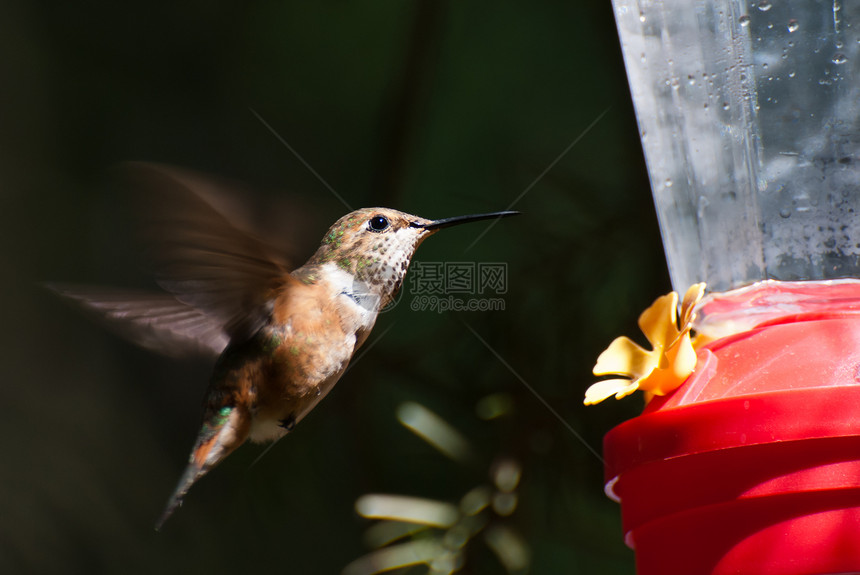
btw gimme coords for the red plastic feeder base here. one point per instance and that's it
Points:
(753, 465)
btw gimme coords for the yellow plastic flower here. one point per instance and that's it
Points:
(656, 372)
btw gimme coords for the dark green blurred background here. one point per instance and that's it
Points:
(432, 107)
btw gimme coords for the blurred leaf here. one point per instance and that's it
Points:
(509, 547)
(408, 509)
(434, 430)
(504, 503)
(475, 500)
(494, 405)
(506, 474)
(397, 556)
(386, 532)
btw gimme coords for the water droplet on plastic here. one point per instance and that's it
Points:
(668, 182)
(726, 106)
(791, 74)
(642, 16)
(764, 66)
(839, 58)
(744, 20)
(793, 25)
(830, 243)
(785, 213)
(764, 5)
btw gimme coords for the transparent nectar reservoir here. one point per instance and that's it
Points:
(749, 115)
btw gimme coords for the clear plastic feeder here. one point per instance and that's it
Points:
(749, 115)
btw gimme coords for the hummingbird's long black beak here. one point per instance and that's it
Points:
(457, 220)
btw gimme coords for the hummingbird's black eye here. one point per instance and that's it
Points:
(378, 224)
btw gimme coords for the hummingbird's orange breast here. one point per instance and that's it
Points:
(305, 350)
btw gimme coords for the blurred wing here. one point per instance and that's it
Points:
(155, 321)
(200, 256)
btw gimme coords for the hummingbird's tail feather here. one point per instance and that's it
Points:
(220, 435)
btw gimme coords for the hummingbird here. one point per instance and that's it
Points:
(283, 337)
